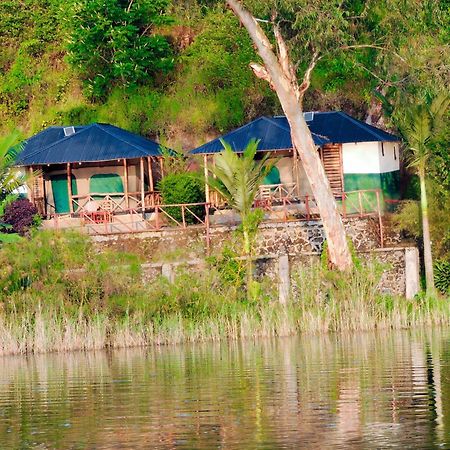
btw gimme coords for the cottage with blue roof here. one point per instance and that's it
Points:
(92, 171)
(356, 156)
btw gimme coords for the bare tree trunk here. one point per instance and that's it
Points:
(281, 75)
(427, 256)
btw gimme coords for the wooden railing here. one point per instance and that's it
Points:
(119, 219)
(114, 202)
(277, 192)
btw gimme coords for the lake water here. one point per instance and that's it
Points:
(368, 391)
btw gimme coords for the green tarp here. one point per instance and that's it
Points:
(105, 183)
(61, 193)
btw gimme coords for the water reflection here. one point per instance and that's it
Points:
(387, 390)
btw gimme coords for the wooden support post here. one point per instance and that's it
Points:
(69, 187)
(205, 168)
(125, 183)
(161, 165)
(150, 173)
(141, 163)
(30, 187)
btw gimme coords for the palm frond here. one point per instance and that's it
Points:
(237, 178)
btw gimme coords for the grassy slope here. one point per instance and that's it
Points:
(210, 91)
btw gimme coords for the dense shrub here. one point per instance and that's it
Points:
(442, 276)
(183, 188)
(21, 214)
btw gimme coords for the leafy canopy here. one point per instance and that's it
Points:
(421, 124)
(114, 42)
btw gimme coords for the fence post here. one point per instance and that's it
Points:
(344, 207)
(412, 277)
(208, 238)
(168, 272)
(380, 219)
(360, 204)
(308, 211)
(182, 216)
(284, 279)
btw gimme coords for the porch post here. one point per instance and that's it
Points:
(30, 186)
(205, 168)
(161, 164)
(141, 163)
(69, 187)
(125, 183)
(150, 173)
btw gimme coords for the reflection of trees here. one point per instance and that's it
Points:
(363, 389)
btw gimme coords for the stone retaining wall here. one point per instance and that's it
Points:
(274, 238)
(301, 241)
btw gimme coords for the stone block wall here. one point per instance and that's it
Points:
(274, 238)
(400, 276)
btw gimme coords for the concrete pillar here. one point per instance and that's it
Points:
(284, 279)
(168, 272)
(412, 276)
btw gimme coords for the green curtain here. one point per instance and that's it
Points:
(61, 193)
(273, 177)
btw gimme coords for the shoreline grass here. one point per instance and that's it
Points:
(57, 294)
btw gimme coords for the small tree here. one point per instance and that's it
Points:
(114, 42)
(237, 178)
(421, 123)
(281, 73)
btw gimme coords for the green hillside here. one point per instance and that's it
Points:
(179, 70)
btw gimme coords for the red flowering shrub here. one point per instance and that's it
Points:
(21, 214)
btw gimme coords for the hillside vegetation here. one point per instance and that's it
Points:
(179, 70)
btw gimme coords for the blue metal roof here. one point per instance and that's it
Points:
(334, 127)
(94, 142)
(274, 134)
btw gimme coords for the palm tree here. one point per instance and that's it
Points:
(420, 125)
(237, 179)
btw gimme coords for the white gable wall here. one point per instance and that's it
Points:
(361, 157)
(391, 159)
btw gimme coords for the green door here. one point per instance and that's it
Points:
(61, 193)
(105, 183)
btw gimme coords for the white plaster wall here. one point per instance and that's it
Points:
(391, 159)
(362, 157)
(284, 165)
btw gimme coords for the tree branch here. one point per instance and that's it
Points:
(307, 76)
(261, 72)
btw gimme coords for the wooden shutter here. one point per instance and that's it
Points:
(331, 156)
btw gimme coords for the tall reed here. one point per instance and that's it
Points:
(59, 294)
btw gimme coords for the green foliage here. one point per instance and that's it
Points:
(114, 42)
(238, 177)
(10, 177)
(442, 276)
(408, 219)
(422, 122)
(180, 188)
